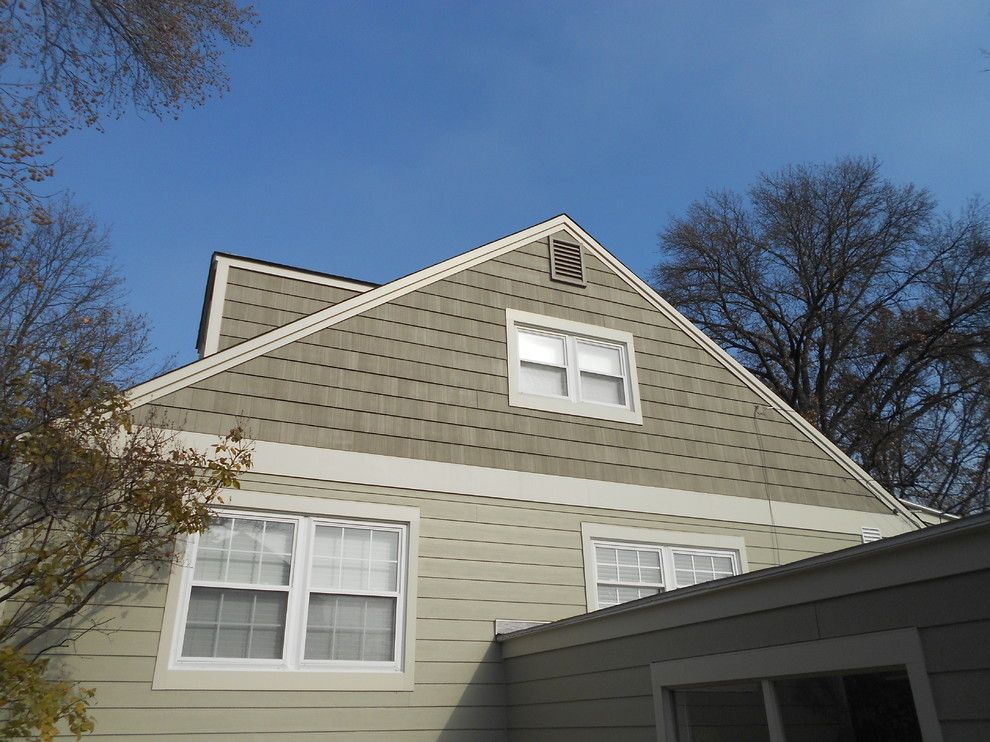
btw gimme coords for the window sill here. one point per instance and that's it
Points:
(568, 407)
(241, 678)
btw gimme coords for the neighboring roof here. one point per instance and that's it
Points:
(303, 274)
(861, 552)
(928, 510)
(373, 297)
(216, 287)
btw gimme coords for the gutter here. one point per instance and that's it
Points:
(939, 532)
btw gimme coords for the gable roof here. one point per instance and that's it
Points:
(373, 297)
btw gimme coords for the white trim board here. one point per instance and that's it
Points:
(741, 373)
(214, 314)
(305, 326)
(223, 360)
(283, 459)
(297, 275)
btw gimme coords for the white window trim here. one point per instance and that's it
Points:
(596, 533)
(174, 672)
(861, 652)
(632, 413)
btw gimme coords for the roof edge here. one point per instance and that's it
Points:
(747, 378)
(928, 509)
(219, 361)
(216, 290)
(306, 273)
(821, 561)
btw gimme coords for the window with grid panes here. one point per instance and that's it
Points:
(292, 591)
(692, 567)
(629, 571)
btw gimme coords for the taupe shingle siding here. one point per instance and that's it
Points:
(268, 302)
(425, 376)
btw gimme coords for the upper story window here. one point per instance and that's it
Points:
(285, 593)
(572, 368)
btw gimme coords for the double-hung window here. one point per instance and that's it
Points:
(627, 572)
(570, 367)
(353, 593)
(295, 591)
(314, 595)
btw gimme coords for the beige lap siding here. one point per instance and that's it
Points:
(480, 559)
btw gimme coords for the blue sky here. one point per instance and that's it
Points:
(370, 139)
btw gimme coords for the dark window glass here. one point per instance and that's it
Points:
(864, 707)
(721, 713)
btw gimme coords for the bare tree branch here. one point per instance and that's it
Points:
(861, 307)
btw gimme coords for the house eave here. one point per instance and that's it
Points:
(729, 586)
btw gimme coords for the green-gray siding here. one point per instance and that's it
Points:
(591, 680)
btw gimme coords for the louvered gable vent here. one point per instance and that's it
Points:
(566, 262)
(871, 534)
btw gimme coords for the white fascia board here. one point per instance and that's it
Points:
(214, 314)
(349, 467)
(243, 352)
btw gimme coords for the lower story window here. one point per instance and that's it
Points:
(629, 571)
(294, 592)
(858, 707)
(870, 687)
(624, 563)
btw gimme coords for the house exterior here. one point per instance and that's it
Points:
(520, 434)
(886, 642)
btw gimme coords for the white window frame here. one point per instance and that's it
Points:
(293, 671)
(572, 333)
(665, 542)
